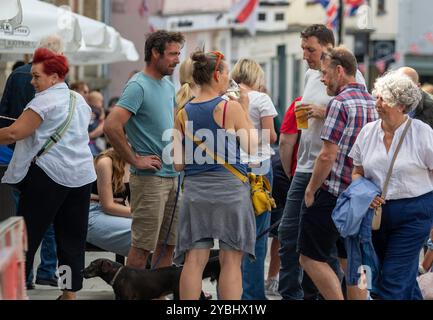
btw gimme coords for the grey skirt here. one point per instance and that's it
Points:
(216, 205)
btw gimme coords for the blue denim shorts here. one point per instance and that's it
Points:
(209, 243)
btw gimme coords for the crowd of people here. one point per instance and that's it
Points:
(167, 173)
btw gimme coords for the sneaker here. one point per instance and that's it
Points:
(30, 286)
(47, 282)
(271, 287)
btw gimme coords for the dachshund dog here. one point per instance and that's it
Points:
(140, 284)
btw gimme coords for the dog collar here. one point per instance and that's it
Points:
(115, 276)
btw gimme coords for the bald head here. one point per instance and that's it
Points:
(53, 43)
(411, 73)
(95, 99)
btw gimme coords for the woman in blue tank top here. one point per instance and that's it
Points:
(216, 204)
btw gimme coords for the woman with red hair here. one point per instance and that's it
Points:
(52, 167)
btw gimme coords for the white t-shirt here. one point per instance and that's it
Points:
(261, 106)
(70, 161)
(412, 174)
(311, 144)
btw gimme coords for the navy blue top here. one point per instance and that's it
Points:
(17, 94)
(204, 127)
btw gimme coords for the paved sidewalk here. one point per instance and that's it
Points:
(94, 289)
(97, 289)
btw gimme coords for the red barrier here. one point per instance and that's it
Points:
(13, 245)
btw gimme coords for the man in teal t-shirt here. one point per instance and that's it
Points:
(152, 103)
(135, 128)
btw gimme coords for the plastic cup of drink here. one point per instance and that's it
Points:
(301, 116)
(234, 90)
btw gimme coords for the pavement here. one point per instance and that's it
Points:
(97, 289)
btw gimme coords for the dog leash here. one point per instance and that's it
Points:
(276, 224)
(115, 276)
(164, 248)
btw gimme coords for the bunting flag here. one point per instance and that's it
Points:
(143, 10)
(414, 48)
(381, 65)
(244, 12)
(331, 7)
(352, 7)
(332, 14)
(429, 37)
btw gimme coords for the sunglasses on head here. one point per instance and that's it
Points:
(220, 57)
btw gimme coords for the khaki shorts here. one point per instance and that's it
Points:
(152, 202)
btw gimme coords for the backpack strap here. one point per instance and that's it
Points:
(60, 132)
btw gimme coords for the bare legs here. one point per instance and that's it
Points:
(230, 280)
(137, 258)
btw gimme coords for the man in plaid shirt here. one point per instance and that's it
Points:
(351, 109)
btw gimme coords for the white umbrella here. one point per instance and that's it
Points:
(119, 49)
(24, 22)
(95, 33)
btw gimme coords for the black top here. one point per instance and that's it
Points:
(125, 195)
(424, 111)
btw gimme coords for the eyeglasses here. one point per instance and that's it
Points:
(220, 57)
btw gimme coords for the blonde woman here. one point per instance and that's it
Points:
(109, 214)
(189, 89)
(262, 113)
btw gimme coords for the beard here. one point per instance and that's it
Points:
(332, 89)
(166, 70)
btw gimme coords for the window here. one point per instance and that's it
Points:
(381, 7)
(262, 16)
(279, 17)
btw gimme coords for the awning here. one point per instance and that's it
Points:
(24, 22)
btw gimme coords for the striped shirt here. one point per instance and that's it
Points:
(346, 115)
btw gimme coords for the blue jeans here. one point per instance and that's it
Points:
(291, 274)
(107, 232)
(405, 225)
(253, 272)
(48, 267)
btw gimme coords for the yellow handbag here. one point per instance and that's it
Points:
(261, 195)
(261, 190)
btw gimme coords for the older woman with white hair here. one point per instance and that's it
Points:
(407, 206)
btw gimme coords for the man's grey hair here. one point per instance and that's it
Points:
(397, 89)
(53, 43)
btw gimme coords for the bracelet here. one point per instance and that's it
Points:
(430, 244)
(421, 270)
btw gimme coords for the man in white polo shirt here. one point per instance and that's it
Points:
(315, 40)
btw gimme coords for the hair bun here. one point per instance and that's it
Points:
(200, 59)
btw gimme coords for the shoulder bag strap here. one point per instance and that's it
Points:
(201, 145)
(388, 177)
(60, 132)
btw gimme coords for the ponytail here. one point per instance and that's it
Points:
(183, 96)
